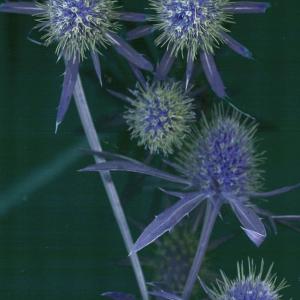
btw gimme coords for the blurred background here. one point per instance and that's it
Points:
(58, 237)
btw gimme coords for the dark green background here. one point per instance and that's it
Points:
(58, 238)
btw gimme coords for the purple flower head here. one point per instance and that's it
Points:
(173, 257)
(190, 24)
(252, 286)
(222, 159)
(197, 28)
(79, 27)
(160, 115)
(174, 253)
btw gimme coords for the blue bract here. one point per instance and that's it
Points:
(79, 27)
(196, 28)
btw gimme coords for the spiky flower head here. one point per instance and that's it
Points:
(77, 26)
(251, 286)
(173, 257)
(160, 115)
(222, 159)
(190, 24)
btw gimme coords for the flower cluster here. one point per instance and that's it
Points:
(221, 167)
(215, 163)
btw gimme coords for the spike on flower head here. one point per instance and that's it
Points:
(191, 24)
(222, 158)
(78, 26)
(251, 286)
(160, 115)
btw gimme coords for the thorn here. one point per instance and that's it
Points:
(56, 126)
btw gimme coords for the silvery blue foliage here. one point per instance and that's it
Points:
(79, 27)
(196, 28)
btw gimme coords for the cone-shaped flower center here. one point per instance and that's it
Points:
(160, 116)
(223, 159)
(77, 25)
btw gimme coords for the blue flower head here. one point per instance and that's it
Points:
(173, 257)
(193, 25)
(253, 285)
(160, 115)
(221, 158)
(174, 253)
(78, 26)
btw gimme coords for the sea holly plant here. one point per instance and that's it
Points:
(159, 114)
(220, 166)
(196, 28)
(79, 28)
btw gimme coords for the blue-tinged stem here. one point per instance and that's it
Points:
(212, 211)
(93, 140)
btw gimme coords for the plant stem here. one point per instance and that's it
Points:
(93, 140)
(212, 210)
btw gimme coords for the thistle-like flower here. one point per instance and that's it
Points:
(174, 253)
(160, 115)
(222, 159)
(220, 166)
(79, 27)
(197, 27)
(173, 257)
(253, 285)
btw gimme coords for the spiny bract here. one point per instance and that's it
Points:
(160, 115)
(222, 159)
(77, 26)
(190, 24)
(251, 286)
